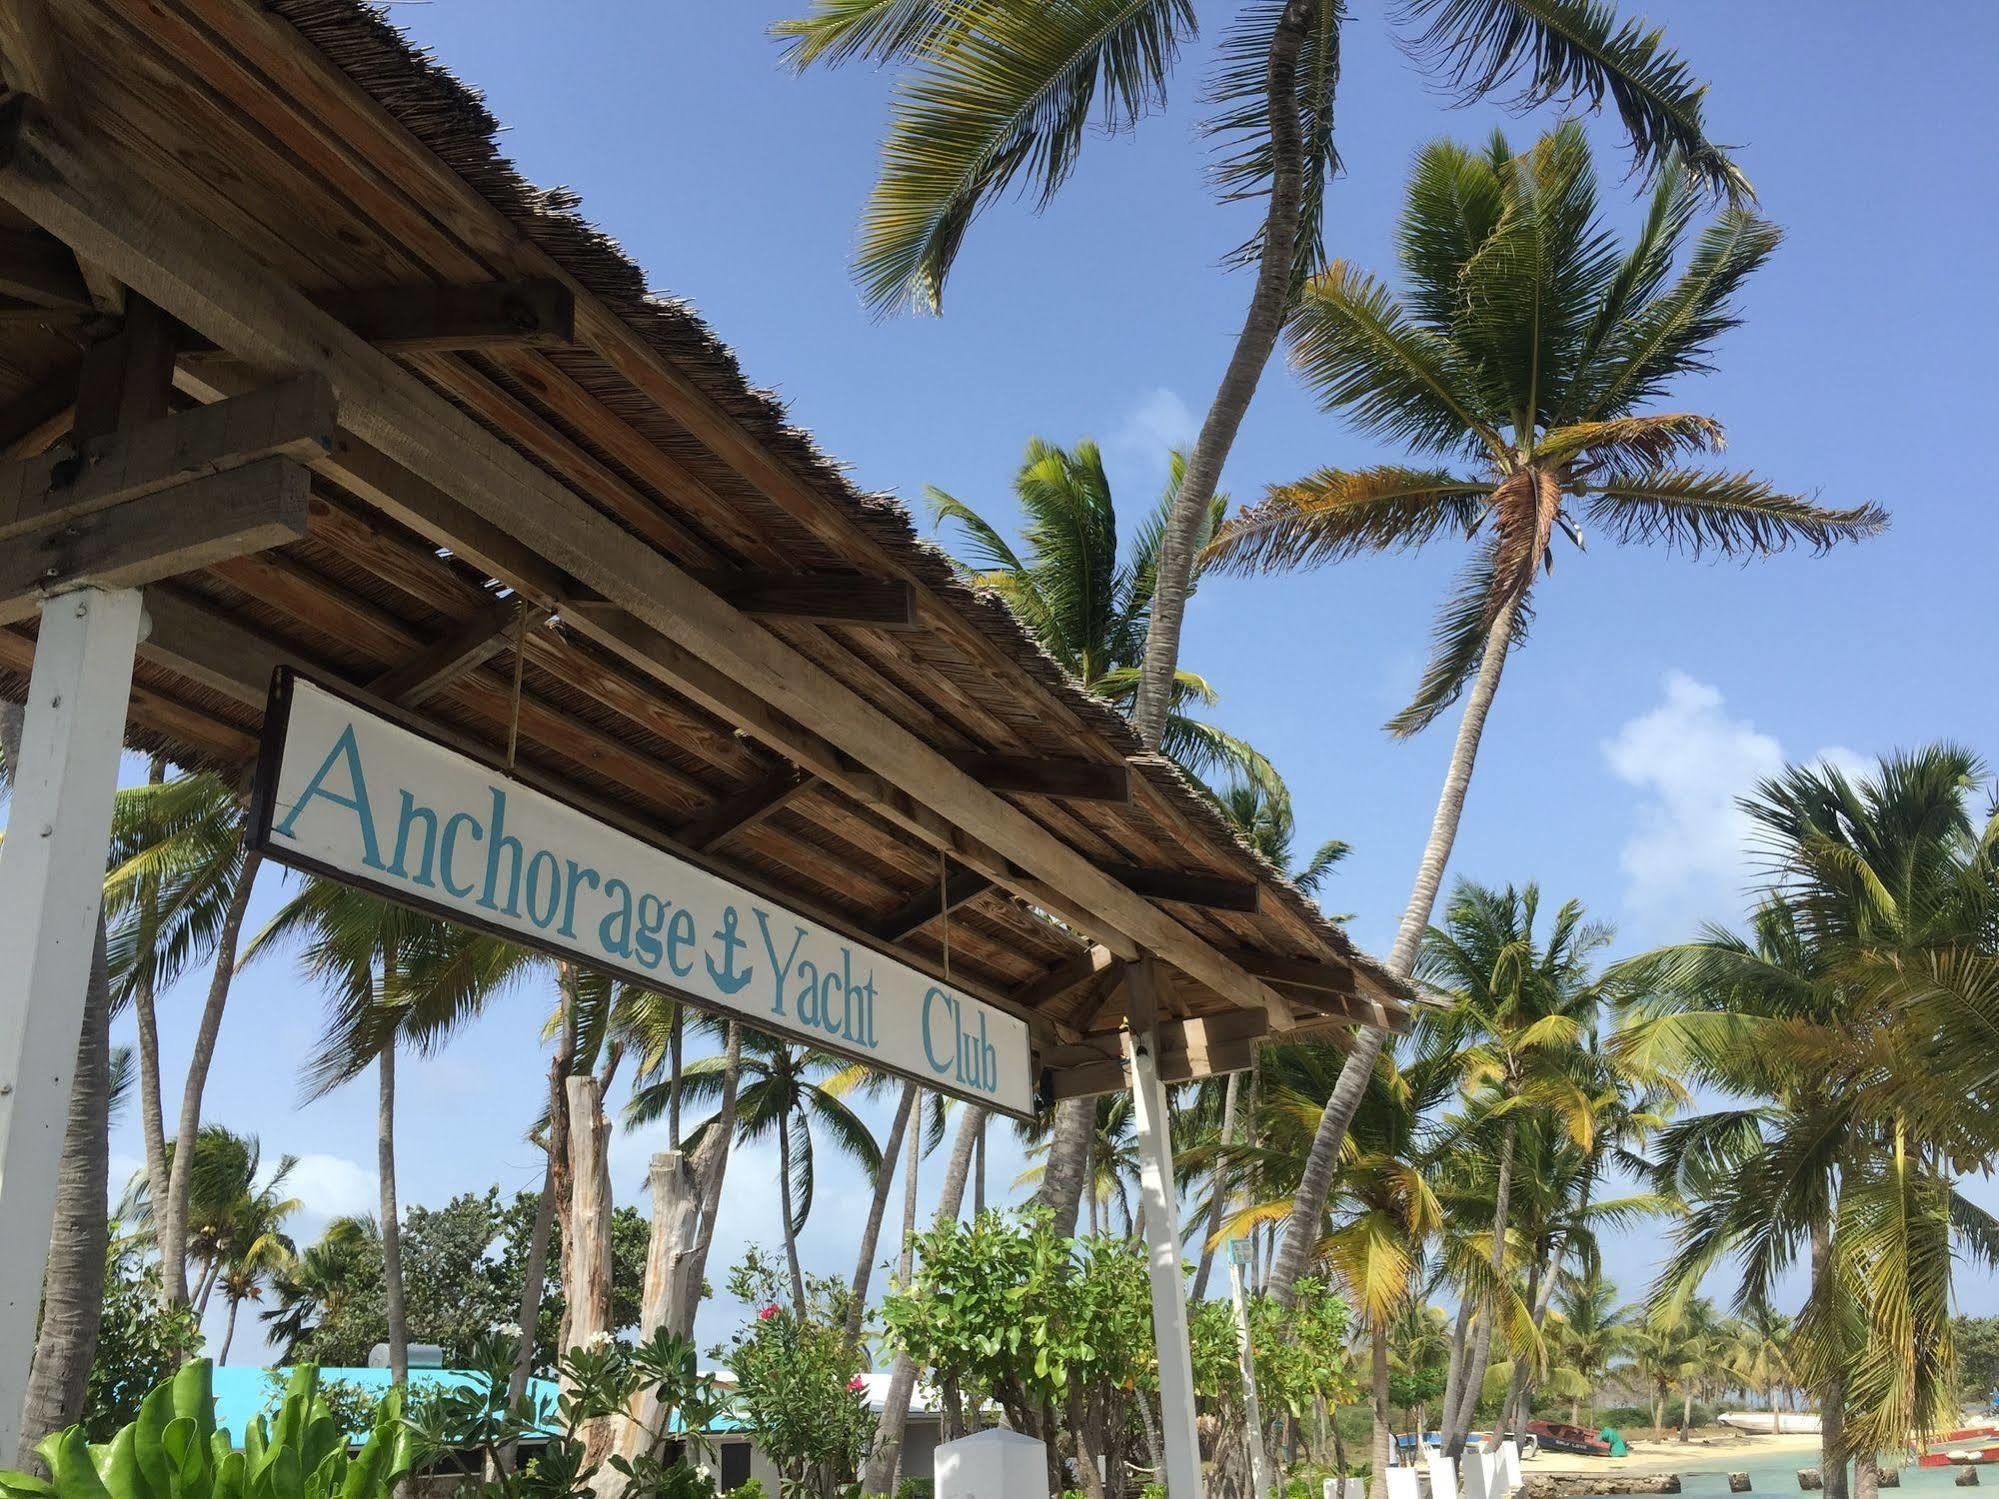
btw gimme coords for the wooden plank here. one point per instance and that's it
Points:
(961, 886)
(194, 641)
(1213, 891)
(465, 649)
(127, 378)
(1328, 974)
(429, 319)
(291, 419)
(1048, 775)
(38, 418)
(177, 530)
(1188, 1050)
(746, 808)
(39, 269)
(88, 200)
(883, 603)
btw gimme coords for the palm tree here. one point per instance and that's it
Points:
(1665, 1354)
(997, 95)
(1529, 345)
(1267, 824)
(1591, 1331)
(395, 977)
(177, 894)
(1088, 607)
(1521, 1007)
(1846, 1007)
(784, 1092)
(312, 1285)
(257, 1248)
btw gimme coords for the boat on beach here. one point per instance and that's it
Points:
(1771, 1421)
(1559, 1436)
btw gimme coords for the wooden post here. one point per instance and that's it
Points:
(1162, 1235)
(675, 1203)
(51, 888)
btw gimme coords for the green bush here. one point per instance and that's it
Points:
(173, 1451)
(1624, 1416)
(915, 1488)
(751, 1489)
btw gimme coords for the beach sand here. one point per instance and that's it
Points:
(1710, 1449)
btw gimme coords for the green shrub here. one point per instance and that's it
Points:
(915, 1488)
(751, 1489)
(1625, 1415)
(173, 1448)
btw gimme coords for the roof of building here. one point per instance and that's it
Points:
(311, 135)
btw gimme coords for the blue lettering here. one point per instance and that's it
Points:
(679, 935)
(501, 842)
(614, 932)
(449, 851)
(780, 972)
(808, 992)
(578, 874)
(652, 919)
(940, 1064)
(356, 801)
(413, 815)
(538, 883)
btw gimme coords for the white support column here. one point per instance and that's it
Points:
(1169, 1281)
(1252, 1407)
(51, 888)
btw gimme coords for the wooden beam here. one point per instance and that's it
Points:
(431, 319)
(177, 530)
(291, 419)
(825, 598)
(194, 641)
(1048, 775)
(93, 203)
(126, 379)
(38, 418)
(745, 809)
(1213, 891)
(960, 886)
(1188, 1050)
(39, 269)
(1064, 978)
(1328, 974)
(465, 648)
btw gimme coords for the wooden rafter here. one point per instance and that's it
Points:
(746, 808)
(1048, 775)
(465, 648)
(429, 319)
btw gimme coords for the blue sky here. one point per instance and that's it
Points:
(1654, 689)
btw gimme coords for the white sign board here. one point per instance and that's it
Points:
(345, 793)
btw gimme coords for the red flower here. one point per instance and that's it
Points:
(857, 1383)
(766, 1314)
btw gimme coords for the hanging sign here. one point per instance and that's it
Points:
(345, 793)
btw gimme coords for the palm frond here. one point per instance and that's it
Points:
(1334, 514)
(837, 31)
(1457, 644)
(1730, 513)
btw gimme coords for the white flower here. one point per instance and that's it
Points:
(597, 1342)
(508, 1329)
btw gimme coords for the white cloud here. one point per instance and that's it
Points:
(1690, 856)
(331, 1187)
(1158, 423)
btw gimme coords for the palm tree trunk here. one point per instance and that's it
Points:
(229, 1330)
(152, 1117)
(887, 1453)
(979, 1171)
(1502, 1201)
(172, 1223)
(711, 1167)
(392, 1232)
(906, 1262)
(1832, 1398)
(1309, 1206)
(790, 1222)
(676, 1047)
(1269, 304)
(1061, 1191)
(1687, 1412)
(877, 1210)
(1217, 1198)
(73, 1282)
(1454, 1371)
(1383, 1417)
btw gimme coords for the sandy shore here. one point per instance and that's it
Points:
(1708, 1450)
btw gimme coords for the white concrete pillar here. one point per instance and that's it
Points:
(992, 1464)
(1481, 1475)
(1443, 1476)
(1402, 1483)
(1508, 1476)
(1252, 1406)
(1169, 1281)
(51, 889)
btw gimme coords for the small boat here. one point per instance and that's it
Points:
(1559, 1436)
(1784, 1421)
(1977, 1457)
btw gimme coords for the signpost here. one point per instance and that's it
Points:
(348, 794)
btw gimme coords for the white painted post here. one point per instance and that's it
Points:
(1509, 1466)
(51, 887)
(1443, 1475)
(1252, 1408)
(1169, 1281)
(1402, 1484)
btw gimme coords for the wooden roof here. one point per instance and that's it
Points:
(309, 134)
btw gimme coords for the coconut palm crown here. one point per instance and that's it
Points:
(1519, 360)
